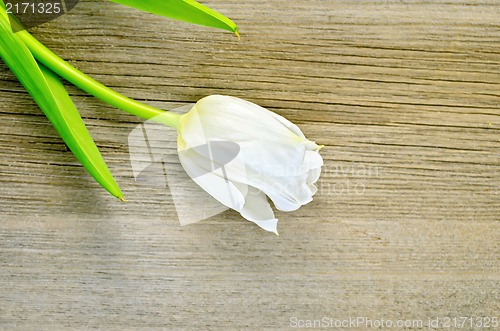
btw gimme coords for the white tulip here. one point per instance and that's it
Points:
(241, 153)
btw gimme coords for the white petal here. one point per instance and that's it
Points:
(289, 125)
(258, 210)
(313, 189)
(313, 163)
(214, 183)
(284, 203)
(220, 114)
(312, 160)
(273, 158)
(313, 175)
(287, 193)
(191, 130)
(269, 225)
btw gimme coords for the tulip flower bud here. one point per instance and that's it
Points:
(241, 154)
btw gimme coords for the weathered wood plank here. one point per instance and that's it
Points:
(405, 97)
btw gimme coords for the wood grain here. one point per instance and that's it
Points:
(403, 94)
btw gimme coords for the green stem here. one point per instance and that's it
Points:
(93, 87)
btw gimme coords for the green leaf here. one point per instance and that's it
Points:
(184, 10)
(71, 127)
(49, 93)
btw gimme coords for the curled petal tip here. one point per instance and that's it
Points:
(237, 34)
(122, 199)
(319, 148)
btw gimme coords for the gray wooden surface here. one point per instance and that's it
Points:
(403, 94)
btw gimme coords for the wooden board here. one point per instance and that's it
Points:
(403, 94)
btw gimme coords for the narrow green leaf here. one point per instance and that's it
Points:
(74, 133)
(184, 10)
(49, 93)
